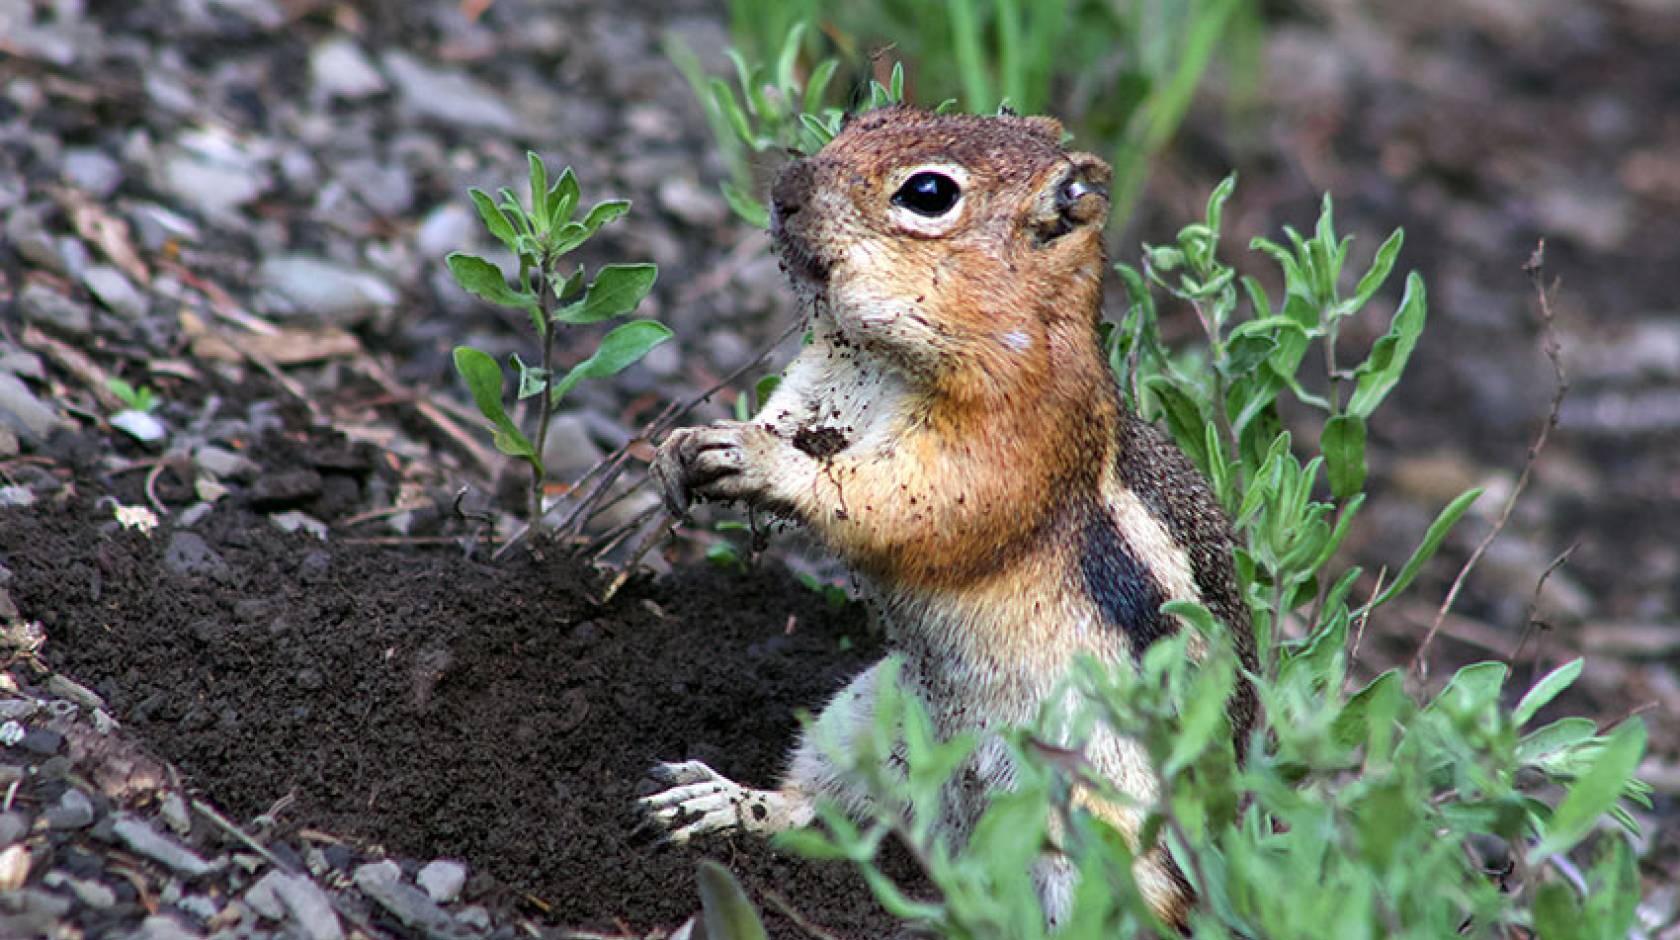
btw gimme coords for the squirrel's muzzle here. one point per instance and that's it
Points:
(801, 258)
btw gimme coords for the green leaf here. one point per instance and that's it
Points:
(484, 280)
(616, 291)
(1473, 688)
(1343, 443)
(724, 906)
(562, 199)
(1426, 549)
(809, 842)
(1594, 793)
(494, 219)
(724, 99)
(747, 208)
(1545, 690)
(619, 349)
(1557, 916)
(788, 60)
(1378, 374)
(1184, 418)
(484, 380)
(1538, 747)
(604, 213)
(539, 191)
(1381, 265)
(817, 84)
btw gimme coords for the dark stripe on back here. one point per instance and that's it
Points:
(1125, 591)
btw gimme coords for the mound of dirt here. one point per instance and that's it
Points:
(409, 698)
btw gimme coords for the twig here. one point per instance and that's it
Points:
(485, 459)
(791, 913)
(659, 532)
(1365, 613)
(1535, 268)
(1531, 618)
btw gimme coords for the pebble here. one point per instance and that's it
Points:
(339, 69)
(322, 289)
(92, 171)
(164, 927)
(382, 881)
(141, 837)
(91, 893)
(387, 188)
(212, 175)
(51, 308)
(23, 413)
(569, 449)
(67, 688)
(447, 95)
(187, 554)
(73, 811)
(442, 879)
(284, 489)
(139, 425)
(304, 900)
(16, 497)
(114, 291)
(43, 742)
(27, 234)
(694, 204)
(13, 826)
(14, 867)
(224, 464)
(293, 520)
(449, 227)
(174, 813)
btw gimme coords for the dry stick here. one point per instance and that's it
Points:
(1531, 618)
(349, 913)
(1365, 613)
(612, 465)
(1535, 268)
(792, 913)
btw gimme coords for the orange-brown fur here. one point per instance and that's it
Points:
(978, 470)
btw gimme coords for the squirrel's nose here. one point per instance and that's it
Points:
(792, 187)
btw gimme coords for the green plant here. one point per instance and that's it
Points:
(141, 399)
(1360, 812)
(540, 233)
(1123, 74)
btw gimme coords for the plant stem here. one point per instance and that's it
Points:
(545, 303)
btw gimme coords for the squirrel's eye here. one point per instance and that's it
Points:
(928, 193)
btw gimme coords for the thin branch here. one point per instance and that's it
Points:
(1531, 617)
(1536, 270)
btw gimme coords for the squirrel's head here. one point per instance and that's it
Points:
(939, 238)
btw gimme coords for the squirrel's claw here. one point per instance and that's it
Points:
(693, 461)
(702, 800)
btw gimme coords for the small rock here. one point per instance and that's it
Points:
(73, 811)
(48, 307)
(285, 489)
(387, 188)
(339, 69)
(43, 742)
(11, 733)
(264, 898)
(447, 228)
(142, 838)
(448, 96)
(569, 450)
(294, 520)
(307, 904)
(67, 688)
(14, 868)
(1638, 641)
(91, 893)
(323, 289)
(224, 464)
(691, 202)
(13, 826)
(93, 171)
(474, 918)
(212, 172)
(164, 927)
(174, 813)
(442, 879)
(23, 413)
(112, 289)
(382, 881)
(187, 554)
(16, 497)
(139, 425)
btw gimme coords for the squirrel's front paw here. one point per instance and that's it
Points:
(722, 462)
(701, 800)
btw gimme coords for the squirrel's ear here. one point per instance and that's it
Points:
(1075, 196)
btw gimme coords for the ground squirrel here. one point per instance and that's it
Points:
(953, 432)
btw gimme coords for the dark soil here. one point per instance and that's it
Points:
(434, 705)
